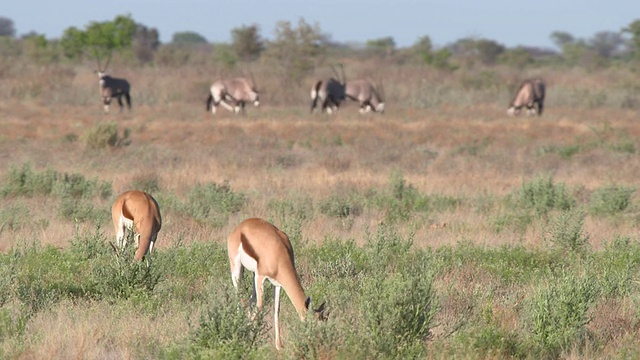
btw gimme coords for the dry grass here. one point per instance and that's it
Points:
(279, 152)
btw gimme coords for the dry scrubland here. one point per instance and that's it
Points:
(504, 211)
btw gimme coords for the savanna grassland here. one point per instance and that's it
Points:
(440, 229)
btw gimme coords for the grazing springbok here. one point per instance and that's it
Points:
(365, 92)
(138, 212)
(232, 94)
(529, 94)
(111, 87)
(329, 93)
(264, 249)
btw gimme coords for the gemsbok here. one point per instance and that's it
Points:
(530, 94)
(232, 94)
(329, 93)
(111, 87)
(264, 249)
(137, 212)
(366, 93)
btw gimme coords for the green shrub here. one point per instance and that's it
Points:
(610, 200)
(541, 195)
(14, 217)
(397, 310)
(26, 182)
(225, 330)
(102, 135)
(558, 312)
(566, 231)
(214, 203)
(340, 207)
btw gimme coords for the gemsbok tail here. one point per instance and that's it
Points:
(209, 101)
(314, 94)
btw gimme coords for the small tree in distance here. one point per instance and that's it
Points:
(247, 42)
(6, 27)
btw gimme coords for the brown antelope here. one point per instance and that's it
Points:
(529, 94)
(137, 212)
(232, 94)
(329, 93)
(264, 249)
(111, 87)
(364, 92)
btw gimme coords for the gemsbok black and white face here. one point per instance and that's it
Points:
(366, 93)
(232, 94)
(329, 93)
(111, 87)
(529, 95)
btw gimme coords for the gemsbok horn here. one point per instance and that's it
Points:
(365, 92)
(138, 212)
(264, 249)
(111, 87)
(329, 93)
(232, 94)
(530, 94)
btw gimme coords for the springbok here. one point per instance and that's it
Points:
(264, 249)
(365, 92)
(111, 87)
(329, 93)
(232, 94)
(138, 212)
(529, 94)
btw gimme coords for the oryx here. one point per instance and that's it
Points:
(329, 93)
(111, 87)
(232, 94)
(530, 93)
(365, 92)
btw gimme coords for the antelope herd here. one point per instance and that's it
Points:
(326, 94)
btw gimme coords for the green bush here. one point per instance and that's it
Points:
(26, 182)
(610, 200)
(558, 312)
(566, 231)
(541, 195)
(340, 207)
(225, 330)
(102, 135)
(213, 203)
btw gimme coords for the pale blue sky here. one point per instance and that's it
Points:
(509, 22)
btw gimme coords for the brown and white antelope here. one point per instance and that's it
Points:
(366, 93)
(264, 249)
(329, 93)
(232, 94)
(111, 87)
(530, 94)
(138, 212)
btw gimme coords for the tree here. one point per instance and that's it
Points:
(561, 38)
(634, 30)
(382, 46)
(606, 43)
(6, 27)
(247, 42)
(294, 51)
(423, 48)
(100, 38)
(188, 38)
(488, 51)
(73, 42)
(145, 43)
(470, 50)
